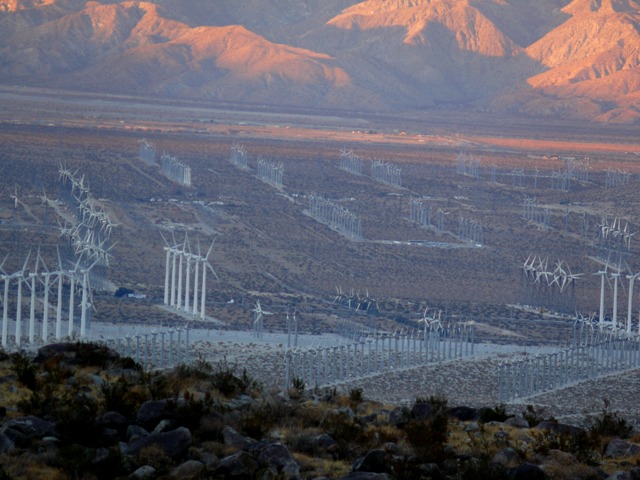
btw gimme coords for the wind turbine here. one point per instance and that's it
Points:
(205, 265)
(20, 276)
(631, 278)
(85, 299)
(603, 274)
(258, 313)
(5, 302)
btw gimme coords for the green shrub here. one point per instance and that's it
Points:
(355, 397)
(428, 437)
(609, 424)
(25, 370)
(495, 414)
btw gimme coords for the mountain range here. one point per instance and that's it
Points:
(575, 59)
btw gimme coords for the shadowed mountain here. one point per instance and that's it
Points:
(553, 57)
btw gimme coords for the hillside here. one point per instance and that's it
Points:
(575, 59)
(82, 411)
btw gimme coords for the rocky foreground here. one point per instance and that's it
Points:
(82, 411)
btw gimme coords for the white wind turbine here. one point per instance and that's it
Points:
(85, 299)
(6, 278)
(603, 274)
(33, 288)
(206, 265)
(258, 321)
(20, 276)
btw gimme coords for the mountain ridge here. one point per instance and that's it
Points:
(578, 59)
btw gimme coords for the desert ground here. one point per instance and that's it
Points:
(268, 248)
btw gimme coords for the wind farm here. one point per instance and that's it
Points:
(344, 271)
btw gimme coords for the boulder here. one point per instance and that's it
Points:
(6, 444)
(135, 431)
(399, 417)
(527, 471)
(507, 457)
(115, 420)
(234, 439)
(274, 455)
(241, 465)
(173, 443)
(20, 431)
(517, 422)
(145, 472)
(560, 427)
(83, 354)
(152, 412)
(191, 469)
(324, 443)
(366, 476)
(462, 413)
(32, 427)
(422, 411)
(618, 448)
(374, 461)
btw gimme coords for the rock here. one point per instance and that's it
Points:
(421, 411)
(173, 443)
(507, 457)
(462, 413)
(620, 476)
(115, 420)
(559, 427)
(527, 471)
(32, 427)
(324, 443)
(399, 417)
(517, 422)
(191, 469)
(241, 465)
(374, 461)
(234, 439)
(152, 412)
(164, 426)
(274, 455)
(240, 402)
(6, 444)
(621, 448)
(85, 354)
(145, 472)
(472, 427)
(135, 431)
(561, 458)
(366, 476)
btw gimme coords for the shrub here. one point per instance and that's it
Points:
(534, 415)
(25, 370)
(228, 384)
(428, 437)
(355, 397)
(609, 424)
(577, 442)
(495, 414)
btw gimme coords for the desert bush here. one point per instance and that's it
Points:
(534, 415)
(577, 442)
(24, 369)
(228, 383)
(608, 423)
(355, 397)
(498, 413)
(348, 433)
(154, 456)
(428, 437)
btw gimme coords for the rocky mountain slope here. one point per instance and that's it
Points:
(572, 59)
(82, 411)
